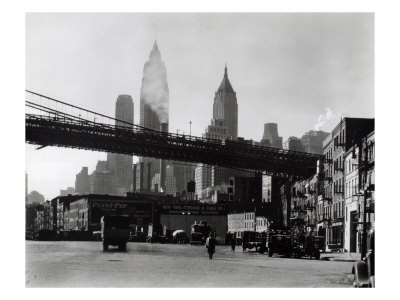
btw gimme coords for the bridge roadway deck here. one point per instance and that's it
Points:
(47, 131)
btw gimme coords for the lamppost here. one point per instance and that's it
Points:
(186, 213)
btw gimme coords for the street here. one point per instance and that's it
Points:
(84, 264)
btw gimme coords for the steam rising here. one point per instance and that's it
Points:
(327, 120)
(155, 90)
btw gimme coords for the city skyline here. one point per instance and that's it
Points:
(315, 60)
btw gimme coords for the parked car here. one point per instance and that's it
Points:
(320, 243)
(364, 270)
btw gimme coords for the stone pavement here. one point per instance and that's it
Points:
(340, 256)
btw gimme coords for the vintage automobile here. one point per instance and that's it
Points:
(320, 243)
(308, 247)
(252, 239)
(364, 271)
(115, 231)
(279, 241)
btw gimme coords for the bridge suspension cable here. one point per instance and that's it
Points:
(57, 123)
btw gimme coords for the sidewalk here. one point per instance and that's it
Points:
(340, 256)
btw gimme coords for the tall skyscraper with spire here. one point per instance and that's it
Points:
(154, 111)
(224, 125)
(225, 106)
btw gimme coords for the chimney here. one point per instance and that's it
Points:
(163, 163)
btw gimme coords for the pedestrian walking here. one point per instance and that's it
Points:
(210, 244)
(233, 243)
(263, 246)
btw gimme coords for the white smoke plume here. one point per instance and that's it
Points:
(155, 89)
(327, 121)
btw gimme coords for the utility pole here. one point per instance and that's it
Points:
(362, 180)
(364, 236)
(364, 233)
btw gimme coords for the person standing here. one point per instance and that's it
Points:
(210, 244)
(233, 242)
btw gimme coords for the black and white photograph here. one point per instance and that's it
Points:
(226, 149)
(200, 150)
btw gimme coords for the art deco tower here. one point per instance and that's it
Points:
(154, 111)
(225, 106)
(154, 93)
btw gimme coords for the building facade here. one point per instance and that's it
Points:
(359, 191)
(240, 222)
(335, 148)
(119, 164)
(203, 180)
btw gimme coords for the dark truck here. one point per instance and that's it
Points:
(306, 246)
(279, 241)
(199, 233)
(252, 239)
(115, 231)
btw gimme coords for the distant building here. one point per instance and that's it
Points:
(102, 180)
(35, 197)
(82, 181)
(246, 190)
(203, 180)
(294, 144)
(175, 179)
(312, 141)
(121, 165)
(270, 137)
(69, 191)
(262, 224)
(246, 221)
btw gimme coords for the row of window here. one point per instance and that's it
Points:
(332, 211)
(248, 216)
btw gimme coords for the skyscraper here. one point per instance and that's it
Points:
(271, 137)
(225, 106)
(224, 125)
(312, 141)
(82, 181)
(293, 143)
(154, 100)
(119, 164)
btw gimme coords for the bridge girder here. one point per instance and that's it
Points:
(46, 131)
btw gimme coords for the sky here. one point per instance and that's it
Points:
(303, 71)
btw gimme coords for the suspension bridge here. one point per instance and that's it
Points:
(52, 122)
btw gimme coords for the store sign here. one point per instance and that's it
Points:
(139, 212)
(179, 209)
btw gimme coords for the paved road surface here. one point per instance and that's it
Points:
(84, 264)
